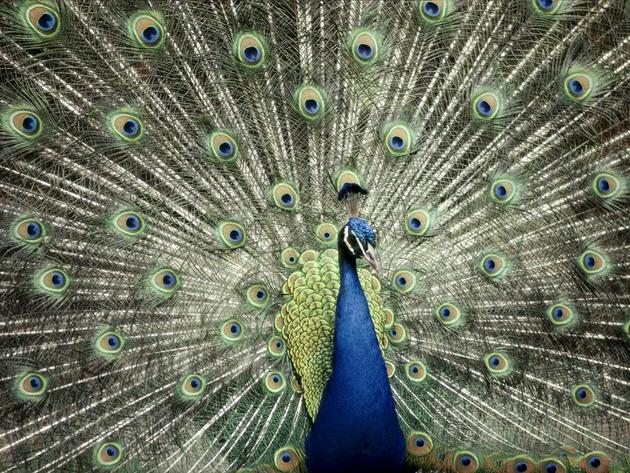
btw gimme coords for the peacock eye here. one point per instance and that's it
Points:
(520, 464)
(286, 459)
(486, 106)
(289, 258)
(231, 234)
(607, 185)
(148, 32)
(397, 334)
(493, 266)
(595, 462)
(223, 146)
(29, 230)
(365, 46)
(108, 453)
(285, 196)
(126, 127)
(399, 139)
(43, 20)
(561, 313)
(583, 395)
(432, 10)
(192, 387)
(465, 462)
(274, 382)
(31, 386)
(276, 346)
(552, 465)
(419, 444)
(128, 223)
(503, 191)
(164, 282)
(417, 221)
(109, 344)
(416, 371)
(448, 313)
(232, 330)
(327, 233)
(257, 295)
(497, 364)
(577, 86)
(53, 281)
(593, 262)
(251, 50)
(26, 124)
(404, 281)
(311, 102)
(546, 7)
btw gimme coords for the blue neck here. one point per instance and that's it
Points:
(356, 428)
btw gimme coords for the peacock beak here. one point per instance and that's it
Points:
(369, 255)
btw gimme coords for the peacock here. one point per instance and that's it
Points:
(315, 236)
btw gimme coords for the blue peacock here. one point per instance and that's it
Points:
(302, 236)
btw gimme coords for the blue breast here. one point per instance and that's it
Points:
(356, 428)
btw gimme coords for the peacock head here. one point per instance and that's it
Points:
(357, 237)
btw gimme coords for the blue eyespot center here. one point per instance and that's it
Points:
(364, 51)
(545, 5)
(275, 379)
(151, 35)
(589, 261)
(495, 361)
(557, 313)
(581, 393)
(420, 442)
(30, 124)
(33, 230)
(445, 312)
(603, 185)
(47, 22)
(431, 9)
(235, 329)
(57, 279)
(489, 264)
(226, 149)
(594, 462)
(113, 341)
(311, 106)
(235, 236)
(131, 128)
(195, 383)
(252, 54)
(465, 460)
(484, 108)
(111, 451)
(286, 199)
(326, 235)
(414, 369)
(551, 468)
(278, 344)
(415, 223)
(35, 382)
(402, 281)
(291, 259)
(521, 467)
(261, 294)
(285, 457)
(397, 143)
(132, 222)
(500, 191)
(576, 87)
(169, 280)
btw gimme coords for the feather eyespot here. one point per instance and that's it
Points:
(290, 258)
(327, 233)
(583, 395)
(192, 387)
(465, 462)
(486, 106)
(126, 127)
(276, 346)
(608, 185)
(404, 281)
(417, 221)
(164, 282)
(109, 344)
(274, 382)
(595, 462)
(232, 330)
(231, 234)
(53, 281)
(257, 295)
(449, 313)
(128, 223)
(285, 196)
(31, 386)
(494, 266)
(520, 464)
(577, 86)
(365, 46)
(311, 102)
(43, 20)
(108, 454)
(419, 444)
(593, 263)
(546, 7)
(399, 139)
(26, 124)
(397, 334)
(561, 313)
(29, 230)
(251, 50)
(286, 459)
(552, 465)
(503, 191)
(147, 30)
(416, 371)
(432, 11)
(497, 364)
(223, 146)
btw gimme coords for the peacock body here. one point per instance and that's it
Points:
(188, 263)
